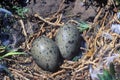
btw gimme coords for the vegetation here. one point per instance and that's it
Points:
(108, 74)
(20, 11)
(9, 53)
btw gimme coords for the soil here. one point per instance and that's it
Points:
(45, 17)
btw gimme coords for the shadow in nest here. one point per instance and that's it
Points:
(101, 2)
(68, 1)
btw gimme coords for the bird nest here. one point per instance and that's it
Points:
(102, 49)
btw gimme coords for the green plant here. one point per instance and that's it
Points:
(20, 11)
(83, 26)
(108, 74)
(9, 53)
(75, 58)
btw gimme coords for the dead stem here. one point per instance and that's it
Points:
(23, 27)
(83, 68)
(50, 23)
(21, 76)
(97, 16)
(21, 73)
(58, 73)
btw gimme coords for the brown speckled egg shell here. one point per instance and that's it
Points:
(46, 53)
(68, 41)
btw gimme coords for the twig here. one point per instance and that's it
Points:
(60, 7)
(64, 67)
(97, 16)
(85, 67)
(21, 76)
(48, 22)
(6, 78)
(57, 73)
(23, 27)
(25, 74)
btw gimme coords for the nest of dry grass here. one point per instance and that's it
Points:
(99, 47)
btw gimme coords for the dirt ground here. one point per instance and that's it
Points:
(45, 17)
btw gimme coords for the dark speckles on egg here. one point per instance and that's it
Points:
(46, 54)
(66, 46)
(50, 51)
(68, 40)
(71, 42)
(39, 52)
(38, 57)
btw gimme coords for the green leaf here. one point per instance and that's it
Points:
(11, 53)
(107, 75)
(112, 69)
(101, 77)
(83, 26)
(20, 11)
(75, 58)
(25, 10)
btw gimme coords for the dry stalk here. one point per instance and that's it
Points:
(48, 22)
(23, 27)
(58, 73)
(97, 16)
(22, 73)
(21, 76)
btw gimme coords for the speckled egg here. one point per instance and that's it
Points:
(46, 53)
(68, 40)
